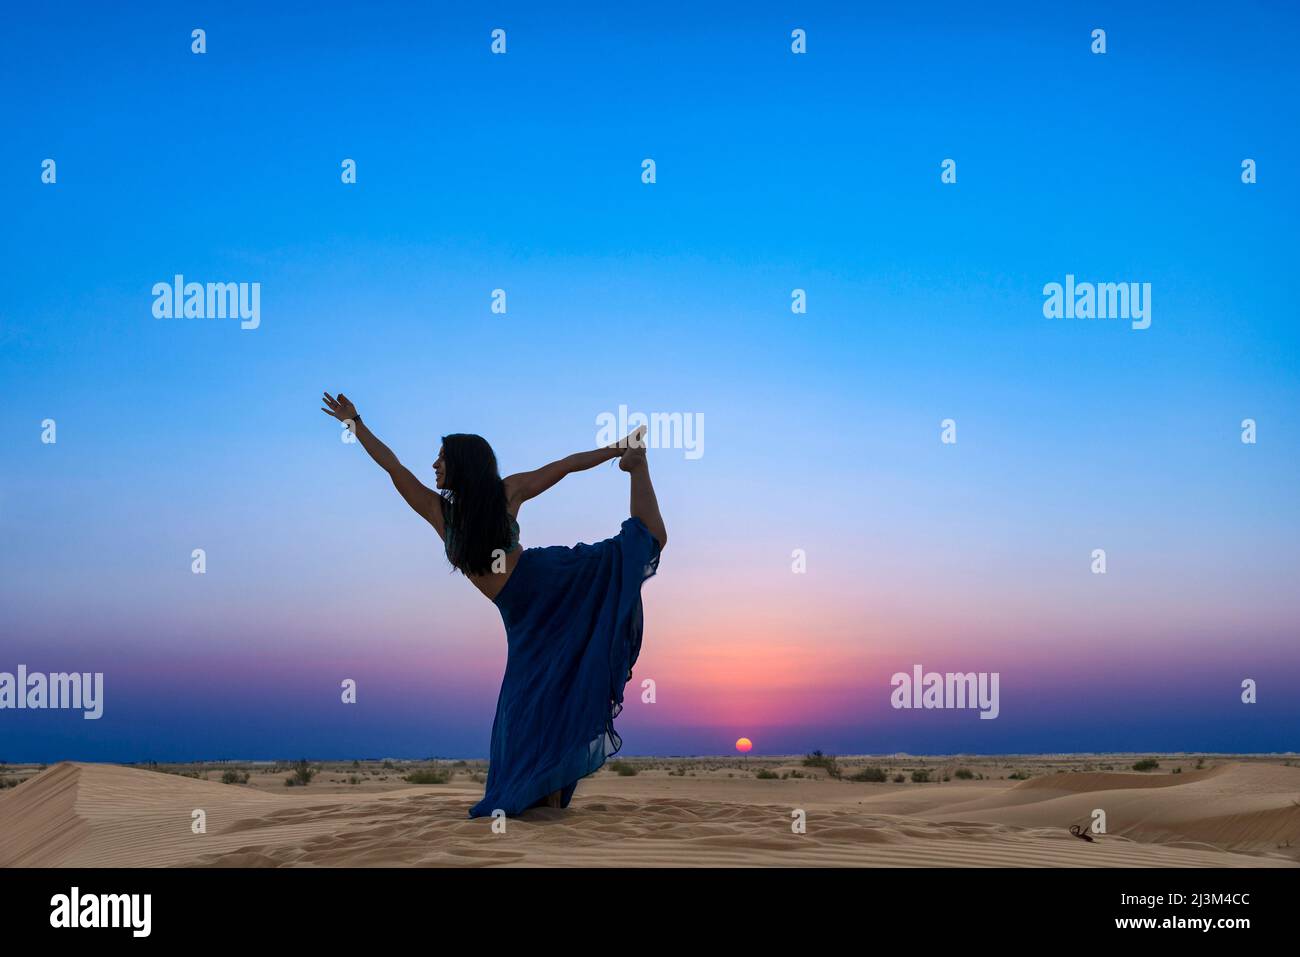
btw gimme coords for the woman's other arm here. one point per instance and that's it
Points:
(522, 486)
(423, 500)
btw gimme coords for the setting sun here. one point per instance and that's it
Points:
(743, 745)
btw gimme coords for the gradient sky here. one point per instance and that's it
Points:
(775, 171)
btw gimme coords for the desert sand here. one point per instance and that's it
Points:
(667, 812)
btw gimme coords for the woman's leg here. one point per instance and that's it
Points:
(644, 505)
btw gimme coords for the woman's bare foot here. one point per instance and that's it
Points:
(553, 799)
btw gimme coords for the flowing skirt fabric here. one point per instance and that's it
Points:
(573, 622)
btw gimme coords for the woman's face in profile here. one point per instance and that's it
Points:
(440, 471)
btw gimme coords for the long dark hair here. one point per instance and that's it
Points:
(473, 503)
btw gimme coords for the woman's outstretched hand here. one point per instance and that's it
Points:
(341, 408)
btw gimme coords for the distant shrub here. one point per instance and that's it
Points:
(389, 766)
(354, 780)
(303, 773)
(898, 778)
(964, 774)
(825, 761)
(765, 775)
(920, 776)
(429, 776)
(1146, 764)
(622, 769)
(1019, 776)
(876, 775)
(231, 776)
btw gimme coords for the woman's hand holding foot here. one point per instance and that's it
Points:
(632, 441)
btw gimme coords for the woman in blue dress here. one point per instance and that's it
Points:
(572, 615)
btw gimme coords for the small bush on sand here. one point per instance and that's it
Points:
(429, 776)
(876, 775)
(303, 773)
(1146, 764)
(964, 774)
(765, 775)
(622, 769)
(825, 761)
(898, 778)
(920, 776)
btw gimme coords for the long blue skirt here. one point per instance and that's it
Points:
(573, 632)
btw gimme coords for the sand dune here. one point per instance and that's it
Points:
(1247, 808)
(105, 815)
(1126, 780)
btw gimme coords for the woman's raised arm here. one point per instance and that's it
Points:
(423, 500)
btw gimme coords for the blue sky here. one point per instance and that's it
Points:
(775, 172)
